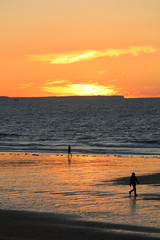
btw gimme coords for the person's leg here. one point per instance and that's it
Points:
(135, 192)
(131, 191)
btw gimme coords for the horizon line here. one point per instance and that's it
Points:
(80, 96)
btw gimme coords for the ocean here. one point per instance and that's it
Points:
(91, 125)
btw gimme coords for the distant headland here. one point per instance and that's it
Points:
(68, 97)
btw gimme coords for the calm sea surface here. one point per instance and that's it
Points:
(90, 125)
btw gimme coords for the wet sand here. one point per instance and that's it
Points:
(21, 225)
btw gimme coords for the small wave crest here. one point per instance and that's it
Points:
(9, 135)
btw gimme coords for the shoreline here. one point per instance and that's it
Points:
(34, 153)
(28, 158)
(25, 225)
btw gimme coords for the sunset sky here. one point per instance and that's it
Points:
(79, 47)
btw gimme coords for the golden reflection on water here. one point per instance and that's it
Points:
(81, 185)
(133, 205)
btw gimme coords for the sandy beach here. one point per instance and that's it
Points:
(29, 225)
(18, 225)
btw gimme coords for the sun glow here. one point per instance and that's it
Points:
(88, 89)
(80, 90)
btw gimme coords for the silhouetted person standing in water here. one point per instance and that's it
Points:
(133, 182)
(69, 151)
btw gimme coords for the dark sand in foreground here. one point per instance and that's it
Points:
(20, 225)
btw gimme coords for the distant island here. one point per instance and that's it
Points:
(57, 97)
(111, 97)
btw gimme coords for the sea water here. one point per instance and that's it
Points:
(90, 125)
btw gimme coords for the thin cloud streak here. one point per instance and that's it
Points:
(78, 56)
(50, 82)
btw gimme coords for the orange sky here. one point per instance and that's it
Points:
(79, 47)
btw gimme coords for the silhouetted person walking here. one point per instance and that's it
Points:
(133, 182)
(69, 151)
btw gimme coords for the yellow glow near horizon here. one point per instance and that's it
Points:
(81, 90)
(73, 57)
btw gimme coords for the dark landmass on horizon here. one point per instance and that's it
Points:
(115, 97)
(57, 97)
